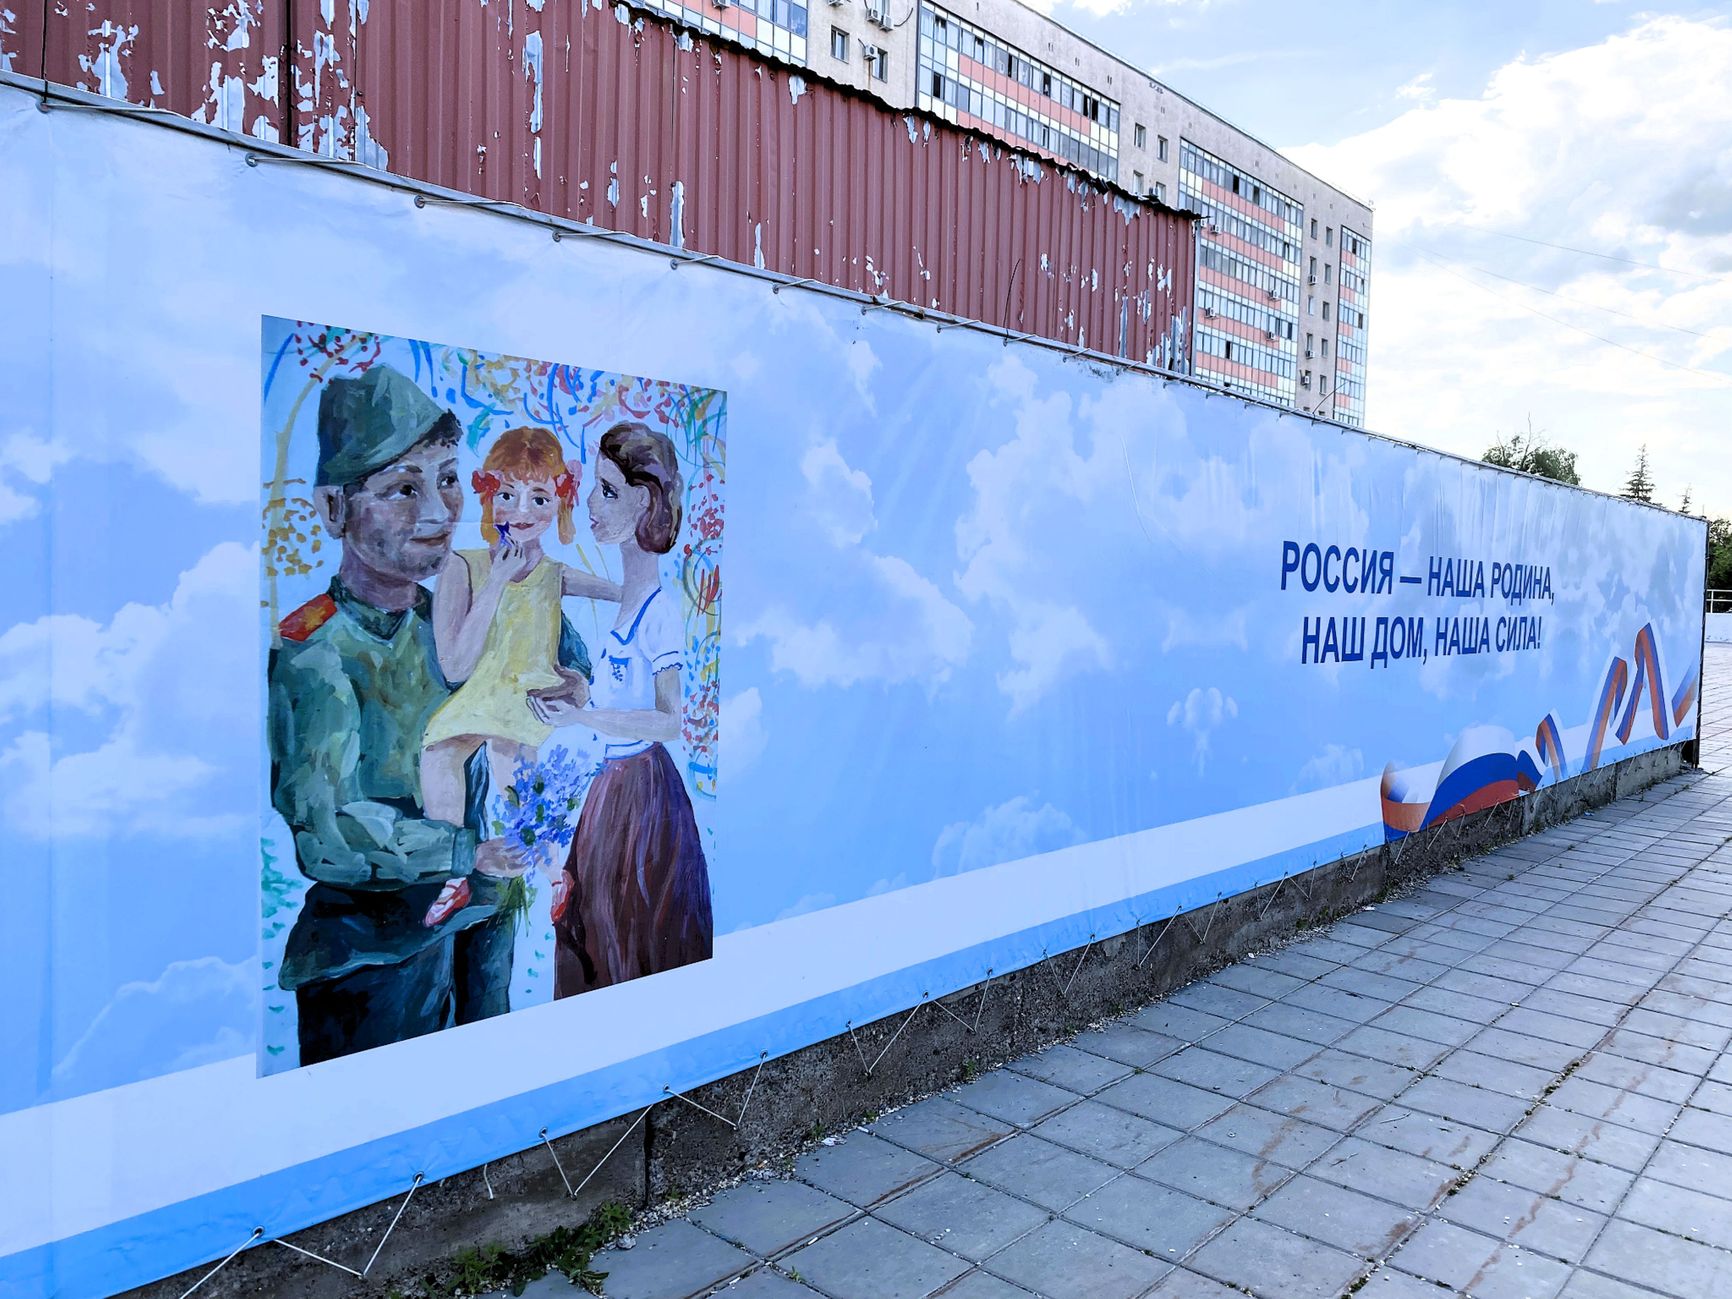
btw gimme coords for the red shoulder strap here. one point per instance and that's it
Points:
(306, 620)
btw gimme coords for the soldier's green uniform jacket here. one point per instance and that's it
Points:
(351, 690)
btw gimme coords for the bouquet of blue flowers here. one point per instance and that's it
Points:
(537, 814)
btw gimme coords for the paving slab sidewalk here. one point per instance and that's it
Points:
(1514, 1082)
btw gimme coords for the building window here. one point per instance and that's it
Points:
(1326, 311)
(1142, 136)
(1328, 236)
(1310, 344)
(1313, 227)
(839, 44)
(1325, 349)
(1161, 190)
(776, 27)
(1137, 184)
(1161, 147)
(970, 76)
(1311, 304)
(1305, 379)
(1313, 271)
(1328, 273)
(880, 65)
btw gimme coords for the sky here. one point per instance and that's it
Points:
(1475, 128)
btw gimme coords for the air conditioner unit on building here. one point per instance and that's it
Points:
(1309, 353)
(868, 52)
(1210, 312)
(1310, 279)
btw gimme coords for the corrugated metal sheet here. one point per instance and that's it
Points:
(603, 114)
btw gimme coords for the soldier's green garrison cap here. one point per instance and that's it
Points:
(367, 422)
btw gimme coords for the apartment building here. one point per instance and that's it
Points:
(1284, 257)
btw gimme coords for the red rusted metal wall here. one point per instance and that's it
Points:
(598, 113)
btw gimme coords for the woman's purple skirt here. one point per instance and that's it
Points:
(638, 899)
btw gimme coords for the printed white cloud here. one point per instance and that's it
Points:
(839, 497)
(32, 458)
(195, 1013)
(1576, 149)
(26, 461)
(1335, 765)
(15, 505)
(1200, 714)
(1071, 517)
(1047, 641)
(1039, 486)
(1008, 832)
(807, 902)
(1230, 59)
(741, 731)
(895, 625)
(914, 634)
(1186, 629)
(176, 684)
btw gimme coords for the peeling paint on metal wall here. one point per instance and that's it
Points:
(594, 113)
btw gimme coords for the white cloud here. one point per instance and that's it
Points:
(176, 683)
(31, 457)
(741, 730)
(195, 1013)
(1186, 628)
(914, 634)
(1104, 8)
(839, 497)
(1048, 640)
(26, 461)
(1419, 89)
(896, 625)
(1335, 765)
(1200, 714)
(1041, 483)
(1007, 832)
(806, 902)
(14, 504)
(1579, 149)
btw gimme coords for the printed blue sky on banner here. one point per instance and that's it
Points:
(984, 602)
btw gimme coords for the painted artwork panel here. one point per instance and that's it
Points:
(446, 532)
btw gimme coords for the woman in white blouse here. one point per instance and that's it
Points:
(636, 895)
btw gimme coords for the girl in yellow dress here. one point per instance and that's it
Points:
(496, 617)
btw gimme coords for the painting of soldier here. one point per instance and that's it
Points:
(492, 731)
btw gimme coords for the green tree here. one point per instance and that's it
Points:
(1531, 453)
(1640, 486)
(1720, 555)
